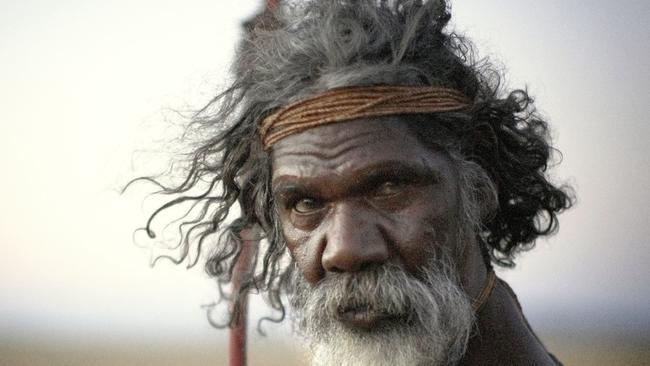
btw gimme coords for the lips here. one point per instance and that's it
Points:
(363, 317)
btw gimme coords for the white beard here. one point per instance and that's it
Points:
(346, 349)
(432, 323)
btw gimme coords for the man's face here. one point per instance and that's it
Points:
(359, 193)
(370, 217)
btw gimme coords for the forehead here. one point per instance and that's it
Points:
(342, 148)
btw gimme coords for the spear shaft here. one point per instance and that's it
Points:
(237, 341)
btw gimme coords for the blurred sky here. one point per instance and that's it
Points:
(84, 91)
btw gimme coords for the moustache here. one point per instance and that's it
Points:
(378, 294)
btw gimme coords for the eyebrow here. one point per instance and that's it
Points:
(370, 177)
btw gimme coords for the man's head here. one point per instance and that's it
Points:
(374, 226)
(371, 216)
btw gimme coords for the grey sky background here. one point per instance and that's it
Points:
(84, 92)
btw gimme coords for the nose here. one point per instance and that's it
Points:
(353, 240)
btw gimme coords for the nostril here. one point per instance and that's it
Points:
(335, 270)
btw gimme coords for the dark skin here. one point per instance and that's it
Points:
(372, 193)
(350, 200)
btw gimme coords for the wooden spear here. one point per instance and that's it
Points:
(237, 341)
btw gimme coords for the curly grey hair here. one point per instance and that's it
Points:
(501, 144)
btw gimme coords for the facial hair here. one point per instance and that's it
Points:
(425, 320)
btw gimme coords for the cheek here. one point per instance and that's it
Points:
(305, 250)
(295, 240)
(421, 232)
(291, 238)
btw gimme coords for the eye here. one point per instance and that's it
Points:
(307, 205)
(389, 188)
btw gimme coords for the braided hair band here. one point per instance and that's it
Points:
(349, 103)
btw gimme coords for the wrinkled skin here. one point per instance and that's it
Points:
(365, 194)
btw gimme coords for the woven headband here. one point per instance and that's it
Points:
(344, 104)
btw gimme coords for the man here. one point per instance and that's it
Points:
(387, 173)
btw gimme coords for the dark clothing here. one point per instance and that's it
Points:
(514, 296)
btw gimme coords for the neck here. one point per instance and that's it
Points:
(502, 335)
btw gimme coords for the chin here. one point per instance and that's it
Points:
(428, 321)
(382, 348)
